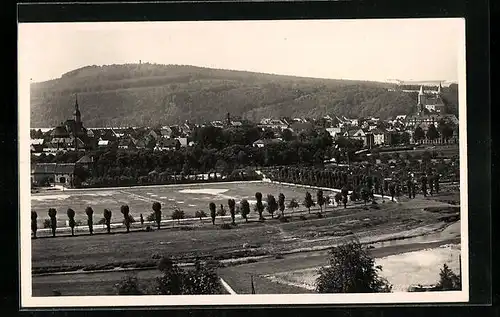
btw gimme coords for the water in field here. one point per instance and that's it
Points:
(401, 270)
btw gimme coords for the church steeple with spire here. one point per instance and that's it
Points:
(421, 100)
(77, 114)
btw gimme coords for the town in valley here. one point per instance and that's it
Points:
(267, 193)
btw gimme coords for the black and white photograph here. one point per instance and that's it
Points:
(251, 162)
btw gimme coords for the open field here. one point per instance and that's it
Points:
(189, 198)
(301, 243)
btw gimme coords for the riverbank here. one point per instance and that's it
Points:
(237, 276)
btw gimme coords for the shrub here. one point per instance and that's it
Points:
(284, 219)
(302, 218)
(46, 223)
(320, 215)
(34, 224)
(101, 221)
(178, 214)
(352, 270)
(90, 212)
(448, 280)
(150, 217)
(245, 209)
(129, 285)
(53, 220)
(124, 209)
(200, 214)
(107, 219)
(157, 213)
(226, 226)
(71, 216)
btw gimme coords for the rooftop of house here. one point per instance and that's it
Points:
(53, 168)
(37, 141)
(85, 159)
(267, 141)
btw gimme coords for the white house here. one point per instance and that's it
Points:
(265, 142)
(333, 132)
(103, 143)
(182, 141)
(378, 137)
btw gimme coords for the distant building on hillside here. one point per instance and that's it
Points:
(429, 111)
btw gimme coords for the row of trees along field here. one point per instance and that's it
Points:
(376, 177)
(271, 205)
(351, 270)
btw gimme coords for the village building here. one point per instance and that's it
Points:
(126, 143)
(429, 111)
(37, 145)
(166, 132)
(265, 142)
(381, 137)
(71, 135)
(298, 127)
(182, 141)
(334, 132)
(103, 143)
(53, 173)
(167, 145)
(360, 134)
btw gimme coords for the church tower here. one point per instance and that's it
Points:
(421, 100)
(76, 114)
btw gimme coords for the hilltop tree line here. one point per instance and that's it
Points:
(168, 94)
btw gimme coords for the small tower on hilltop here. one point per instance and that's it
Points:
(439, 88)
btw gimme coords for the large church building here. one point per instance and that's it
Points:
(71, 135)
(429, 110)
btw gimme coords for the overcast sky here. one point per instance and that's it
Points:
(409, 49)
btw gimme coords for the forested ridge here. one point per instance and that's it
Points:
(149, 94)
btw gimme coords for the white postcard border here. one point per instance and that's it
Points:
(28, 301)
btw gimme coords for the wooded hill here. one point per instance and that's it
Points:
(150, 94)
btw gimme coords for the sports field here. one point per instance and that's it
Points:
(189, 198)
